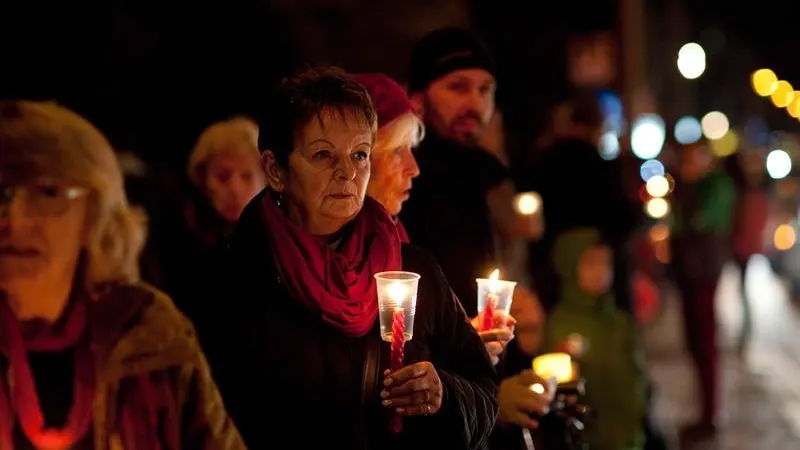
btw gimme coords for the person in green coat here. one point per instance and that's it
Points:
(609, 356)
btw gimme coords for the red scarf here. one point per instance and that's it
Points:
(24, 400)
(337, 284)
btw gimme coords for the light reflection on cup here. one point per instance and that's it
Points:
(554, 365)
(528, 203)
(397, 291)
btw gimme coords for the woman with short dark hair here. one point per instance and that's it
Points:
(303, 354)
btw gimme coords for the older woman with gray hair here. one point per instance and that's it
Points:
(90, 358)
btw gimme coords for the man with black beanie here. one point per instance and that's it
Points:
(462, 203)
(464, 195)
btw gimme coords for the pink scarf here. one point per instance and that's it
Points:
(337, 284)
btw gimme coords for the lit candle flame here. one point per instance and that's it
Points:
(397, 292)
(493, 278)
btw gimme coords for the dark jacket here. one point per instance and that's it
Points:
(185, 254)
(448, 216)
(284, 372)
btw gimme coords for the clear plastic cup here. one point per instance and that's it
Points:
(397, 302)
(495, 296)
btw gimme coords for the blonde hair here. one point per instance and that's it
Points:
(238, 135)
(407, 129)
(43, 138)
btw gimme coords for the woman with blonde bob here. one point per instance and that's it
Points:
(90, 358)
(224, 166)
(399, 132)
(188, 245)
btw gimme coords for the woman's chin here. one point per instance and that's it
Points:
(394, 208)
(343, 208)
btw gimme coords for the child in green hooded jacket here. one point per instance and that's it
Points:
(610, 358)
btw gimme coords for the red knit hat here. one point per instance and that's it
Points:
(388, 98)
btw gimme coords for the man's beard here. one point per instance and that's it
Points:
(436, 124)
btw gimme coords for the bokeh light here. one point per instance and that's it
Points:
(647, 136)
(657, 208)
(609, 146)
(783, 95)
(779, 164)
(785, 237)
(651, 168)
(794, 108)
(715, 124)
(764, 82)
(691, 61)
(657, 186)
(659, 232)
(726, 145)
(688, 130)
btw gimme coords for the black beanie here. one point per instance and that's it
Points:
(447, 50)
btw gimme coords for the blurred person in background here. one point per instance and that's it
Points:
(580, 189)
(611, 357)
(188, 246)
(751, 216)
(702, 217)
(91, 358)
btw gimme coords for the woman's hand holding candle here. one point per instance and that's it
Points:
(414, 390)
(494, 323)
(496, 338)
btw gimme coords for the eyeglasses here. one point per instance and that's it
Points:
(40, 199)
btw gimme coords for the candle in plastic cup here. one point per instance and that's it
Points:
(554, 365)
(494, 298)
(527, 203)
(397, 292)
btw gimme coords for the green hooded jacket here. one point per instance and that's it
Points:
(612, 360)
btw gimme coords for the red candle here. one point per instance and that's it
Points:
(397, 357)
(488, 312)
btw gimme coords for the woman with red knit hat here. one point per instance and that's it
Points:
(399, 131)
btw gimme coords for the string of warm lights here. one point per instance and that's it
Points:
(782, 94)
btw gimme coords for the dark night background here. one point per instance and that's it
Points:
(152, 74)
